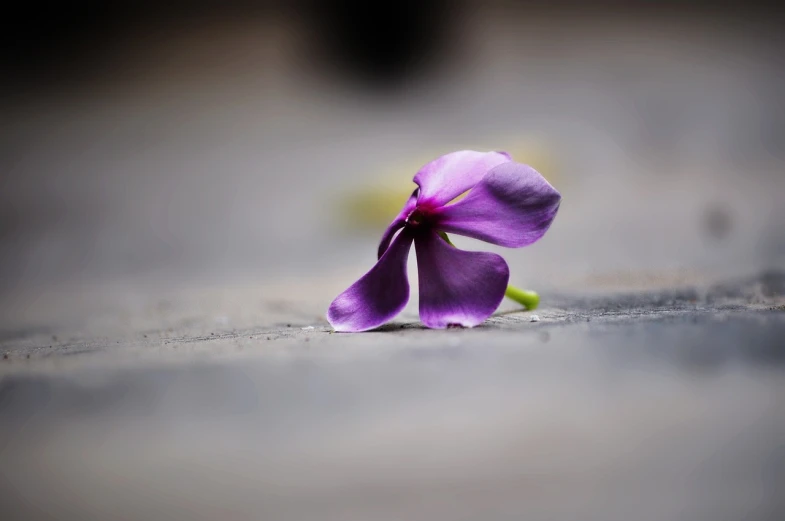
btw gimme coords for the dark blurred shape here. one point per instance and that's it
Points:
(380, 43)
(718, 221)
(383, 43)
(56, 40)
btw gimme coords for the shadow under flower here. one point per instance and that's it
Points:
(397, 326)
(392, 327)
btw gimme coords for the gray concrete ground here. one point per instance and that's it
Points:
(649, 406)
(171, 241)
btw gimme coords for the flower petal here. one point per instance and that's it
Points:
(447, 177)
(456, 286)
(379, 295)
(398, 223)
(512, 206)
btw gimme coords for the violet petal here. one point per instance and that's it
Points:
(456, 286)
(379, 295)
(447, 177)
(512, 206)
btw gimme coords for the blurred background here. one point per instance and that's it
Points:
(260, 140)
(176, 177)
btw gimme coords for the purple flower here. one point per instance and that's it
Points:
(508, 203)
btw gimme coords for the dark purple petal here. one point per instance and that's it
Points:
(397, 224)
(456, 286)
(447, 177)
(512, 206)
(379, 295)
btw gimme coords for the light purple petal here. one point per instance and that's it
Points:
(447, 177)
(456, 286)
(397, 224)
(379, 295)
(512, 206)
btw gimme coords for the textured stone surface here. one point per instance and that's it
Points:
(599, 410)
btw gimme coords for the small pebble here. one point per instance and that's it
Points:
(534, 318)
(307, 328)
(5, 356)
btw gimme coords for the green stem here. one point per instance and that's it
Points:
(446, 238)
(527, 299)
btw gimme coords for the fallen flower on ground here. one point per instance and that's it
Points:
(506, 203)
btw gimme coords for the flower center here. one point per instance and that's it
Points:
(416, 218)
